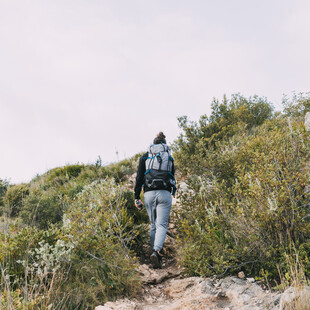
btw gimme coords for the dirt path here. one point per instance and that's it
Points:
(154, 294)
(168, 288)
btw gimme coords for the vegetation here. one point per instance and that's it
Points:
(4, 184)
(71, 238)
(298, 105)
(247, 202)
(227, 119)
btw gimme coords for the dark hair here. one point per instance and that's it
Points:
(160, 138)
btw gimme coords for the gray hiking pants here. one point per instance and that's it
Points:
(158, 206)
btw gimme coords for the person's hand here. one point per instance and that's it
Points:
(139, 204)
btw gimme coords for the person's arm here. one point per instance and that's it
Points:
(173, 185)
(172, 168)
(140, 176)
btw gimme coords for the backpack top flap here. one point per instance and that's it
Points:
(159, 158)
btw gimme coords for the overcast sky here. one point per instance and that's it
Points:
(82, 78)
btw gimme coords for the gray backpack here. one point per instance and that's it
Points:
(158, 168)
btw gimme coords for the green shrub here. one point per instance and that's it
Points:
(139, 217)
(51, 193)
(43, 207)
(103, 235)
(14, 198)
(249, 204)
(77, 176)
(297, 105)
(61, 175)
(34, 266)
(121, 170)
(83, 263)
(4, 184)
(228, 118)
(17, 244)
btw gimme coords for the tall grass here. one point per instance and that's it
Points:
(294, 284)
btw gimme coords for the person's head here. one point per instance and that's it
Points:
(160, 138)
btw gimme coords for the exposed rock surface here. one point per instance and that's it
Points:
(197, 293)
(295, 298)
(167, 289)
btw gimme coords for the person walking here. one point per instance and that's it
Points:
(156, 175)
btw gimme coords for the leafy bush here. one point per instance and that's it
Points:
(17, 244)
(43, 207)
(297, 105)
(248, 204)
(60, 178)
(62, 175)
(4, 184)
(14, 198)
(98, 225)
(103, 234)
(228, 118)
(34, 265)
(85, 262)
(140, 217)
(52, 193)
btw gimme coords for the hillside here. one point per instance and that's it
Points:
(72, 238)
(69, 237)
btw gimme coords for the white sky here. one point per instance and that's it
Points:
(82, 78)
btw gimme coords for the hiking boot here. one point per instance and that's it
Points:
(156, 259)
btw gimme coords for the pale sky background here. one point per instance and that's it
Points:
(82, 78)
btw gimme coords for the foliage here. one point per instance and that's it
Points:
(84, 262)
(297, 105)
(4, 184)
(45, 199)
(228, 118)
(14, 198)
(246, 206)
(102, 233)
(76, 247)
(248, 202)
(63, 177)
(43, 207)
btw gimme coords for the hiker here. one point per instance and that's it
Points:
(156, 175)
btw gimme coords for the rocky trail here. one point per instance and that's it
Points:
(168, 288)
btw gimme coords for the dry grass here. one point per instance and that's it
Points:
(295, 286)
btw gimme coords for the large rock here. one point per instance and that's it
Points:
(196, 293)
(245, 294)
(295, 298)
